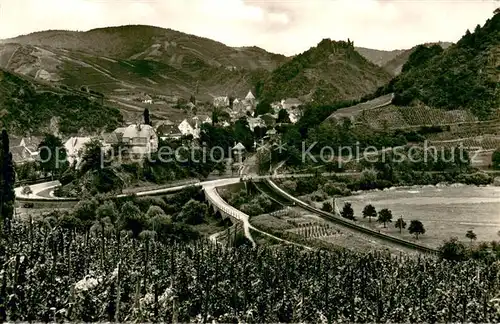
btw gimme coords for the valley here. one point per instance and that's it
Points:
(150, 175)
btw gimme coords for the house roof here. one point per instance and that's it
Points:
(239, 147)
(110, 138)
(271, 132)
(141, 130)
(292, 101)
(204, 118)
(15, 141)
(20, 154)
(32, 142)
(168, 130)
(250, 95)
(120, 130)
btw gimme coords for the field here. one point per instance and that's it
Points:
(51, 272)
(445, 212)
(401, 117)
(310, 227)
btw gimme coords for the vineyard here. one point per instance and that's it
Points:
(57, 273)
(487, 142)
(316, 231)
(401, 117)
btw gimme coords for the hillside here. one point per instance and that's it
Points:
(378, 57)
(465, 76)
(394, 65)
(329, 72)
(30, 107)
(138, 59)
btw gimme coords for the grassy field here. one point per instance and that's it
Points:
(445, 212)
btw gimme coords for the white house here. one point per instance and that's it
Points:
(250, 96)
(21, 155)
(202, 119)
(221, 102)
(140, 139)
(254, 122)
(294, 116)
(74, 148)
(187, 128)
(147, 99)
(290, 103)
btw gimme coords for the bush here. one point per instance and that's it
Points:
(289, 186)
(336, 189)
(478, 179)
(327, 207)
(453, 250)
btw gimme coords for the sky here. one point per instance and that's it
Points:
(281, 26)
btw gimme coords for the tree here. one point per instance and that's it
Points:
(85, 211)
(400, 223)
(369, 211)
(417, 228)
(243, 134)
(384, 216)
(147, 120)
(283, 116)
(7, 180)
(193, 212)
(327, 207)
(52, 154)
(132, 219)
(154, 211)
(471, 235)
(91, 156)
(347, 211)
(495, 160)
(27, 191)
(453, 250)
(262, 108)
(192, 99)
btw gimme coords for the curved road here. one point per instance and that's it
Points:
(210, 188)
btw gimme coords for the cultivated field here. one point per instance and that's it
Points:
(312, 227)
(445, 212)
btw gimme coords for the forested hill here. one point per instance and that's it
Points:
(464, 76)
(329, 72)
(30, 107)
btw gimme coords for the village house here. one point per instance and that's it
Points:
(203, 119)
(140, 139)
(119, 133)
(166, 129)
(147, 99)
(221, 102)
(186, 128)
(254, 122)
(290, 103)
(294, 115)
(250, 98)
(21, 155)
(24, 149)
(238, 152)
(109, 140)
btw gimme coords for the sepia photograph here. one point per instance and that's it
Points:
(250, 161)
